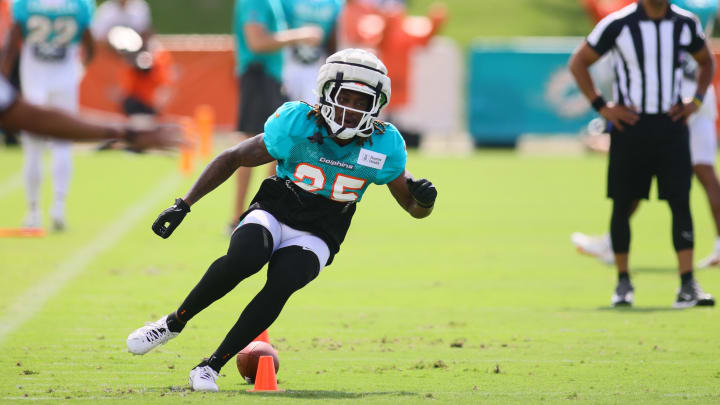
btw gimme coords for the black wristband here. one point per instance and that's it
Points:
(182, 204)
(598, 103)
(699, 96)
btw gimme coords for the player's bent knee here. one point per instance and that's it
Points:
(250, 245)
(291, 268)
(267, 220)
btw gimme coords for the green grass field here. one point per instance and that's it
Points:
(492, 270)
(468, 20)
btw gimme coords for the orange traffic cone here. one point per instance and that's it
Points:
(187, 152)
(263, 337)
(265, 378)
(204, 124)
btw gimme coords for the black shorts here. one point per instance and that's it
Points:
(260, 95)
(327, 219)
(654, 146)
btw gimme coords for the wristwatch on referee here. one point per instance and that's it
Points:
(698, 100)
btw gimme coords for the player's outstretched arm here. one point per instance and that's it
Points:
(61, 125)
(249, 153)
(417, 197)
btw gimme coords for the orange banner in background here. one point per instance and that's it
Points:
(203, 74)
(203, 67)
(598, 9)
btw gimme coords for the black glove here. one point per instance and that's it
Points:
(172, 217)
(423, 192)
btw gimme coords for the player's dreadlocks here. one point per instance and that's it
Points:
(317, 137)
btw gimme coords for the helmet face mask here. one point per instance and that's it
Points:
(341, 115)
(354, 70)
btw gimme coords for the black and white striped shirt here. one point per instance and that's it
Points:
(646, 54)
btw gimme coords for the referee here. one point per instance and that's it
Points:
(649, 134)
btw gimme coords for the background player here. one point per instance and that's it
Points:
(133, 14)
(327, 157)
(47, 33)
(703, 144)
(261, 32)
(303, 61)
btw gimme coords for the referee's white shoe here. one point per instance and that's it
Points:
(597, 246)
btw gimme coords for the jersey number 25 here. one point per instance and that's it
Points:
(340, 186)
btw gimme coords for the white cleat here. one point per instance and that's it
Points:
(597, 246)
(32, 220)
(710, 261)
(150, 336)
(203, 379)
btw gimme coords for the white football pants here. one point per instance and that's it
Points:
(34, 146)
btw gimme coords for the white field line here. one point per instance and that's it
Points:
(494, 394)
(33, 300)
(10, 184)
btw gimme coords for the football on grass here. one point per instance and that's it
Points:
(247, 359)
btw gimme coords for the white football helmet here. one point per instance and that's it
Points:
(357, 70)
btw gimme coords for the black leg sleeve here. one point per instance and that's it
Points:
(290, 269)
(250, 248)
(682, 224)
(620, 225)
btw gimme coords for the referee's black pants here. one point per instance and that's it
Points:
(657, 147)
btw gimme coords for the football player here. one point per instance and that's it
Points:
(703, 144)
(327, 155)
(48, 33)
(302, 61)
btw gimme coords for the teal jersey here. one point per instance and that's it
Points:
(339, 173)
(268, 13)
(322, 13)
(53, 22)
(705, 10)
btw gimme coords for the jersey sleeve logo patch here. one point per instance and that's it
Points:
(371, 159)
